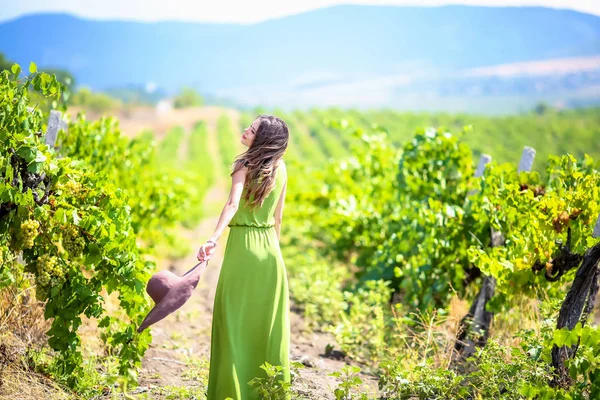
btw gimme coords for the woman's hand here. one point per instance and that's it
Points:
(206, 251)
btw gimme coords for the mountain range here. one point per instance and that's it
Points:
(451, 57)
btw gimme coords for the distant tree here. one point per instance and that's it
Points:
(95, 102)
(136, 94)
(188, 98)
(82, 96)
(4, 62)
(541, 108)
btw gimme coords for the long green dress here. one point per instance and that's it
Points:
(251, 317)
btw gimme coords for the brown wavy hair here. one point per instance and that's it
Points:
(261, 158)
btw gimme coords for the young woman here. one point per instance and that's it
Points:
(251, 322)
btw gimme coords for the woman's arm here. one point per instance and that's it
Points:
(232, 204)
(279, 210)
(229, 210)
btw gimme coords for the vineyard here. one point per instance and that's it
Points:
(453, 262)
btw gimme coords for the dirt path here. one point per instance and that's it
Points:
(180, 349)
(176, 364)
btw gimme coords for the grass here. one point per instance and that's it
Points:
(197, 370)
(18, 377)
(227, 141)
(177, 392)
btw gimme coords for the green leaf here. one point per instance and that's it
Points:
(104, 322)
(54, 291)
(566, 337)
(36, 167)
(60, 215)
(94, 254)
(32, 68)
(27, 153)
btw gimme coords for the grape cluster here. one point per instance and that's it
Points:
(28, 233)
(72, 241)
(49, 271)
(73, 186)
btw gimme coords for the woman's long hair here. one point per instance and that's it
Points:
(261, 158)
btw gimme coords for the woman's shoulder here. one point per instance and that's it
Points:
(281, 165)
(282, 169)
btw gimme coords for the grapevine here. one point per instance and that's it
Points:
(45, 198)
(430, 231)
(72, 214)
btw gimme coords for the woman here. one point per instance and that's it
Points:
(251, 322)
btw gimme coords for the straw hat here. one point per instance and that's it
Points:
(170, 292)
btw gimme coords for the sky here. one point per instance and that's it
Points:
(236, 11)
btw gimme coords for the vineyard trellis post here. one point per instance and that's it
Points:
(474, 272)
(55, 123)
(478, 320)
(484, 160)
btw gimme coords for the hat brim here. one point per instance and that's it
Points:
(177, 295)
(173, 301)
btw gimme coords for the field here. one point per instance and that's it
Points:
(411, 274)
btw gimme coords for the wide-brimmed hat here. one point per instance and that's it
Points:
(170, 292)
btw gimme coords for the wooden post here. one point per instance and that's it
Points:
(527, 158)
(478, 320)
(484, 160)
(62, 125)
(53, 126)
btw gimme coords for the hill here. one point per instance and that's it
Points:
(288, 58)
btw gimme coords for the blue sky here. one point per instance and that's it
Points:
(239, 11)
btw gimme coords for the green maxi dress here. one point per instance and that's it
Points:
(251, 317)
